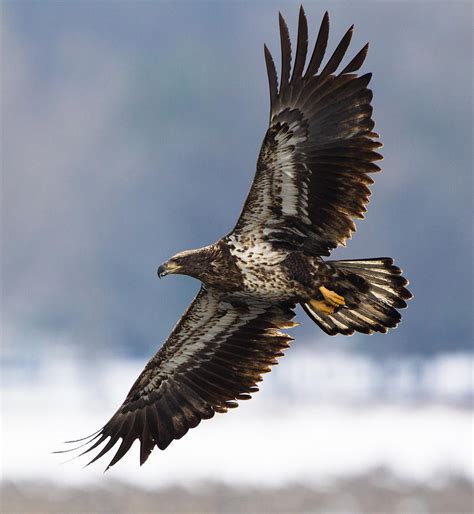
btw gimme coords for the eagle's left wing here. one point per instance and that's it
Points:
(313, 170)
(215, 355)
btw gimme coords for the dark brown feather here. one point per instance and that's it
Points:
(301, 47)
(272, 77)
(319, 48)
(357, 62)
(285, 53)
(338, 54)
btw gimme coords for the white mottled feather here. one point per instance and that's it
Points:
(212, 322)
(281, 182)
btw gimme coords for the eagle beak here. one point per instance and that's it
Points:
(167, 268)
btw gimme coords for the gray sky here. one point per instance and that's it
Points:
(131, 132)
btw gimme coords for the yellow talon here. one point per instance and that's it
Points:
(330, 303)
(322, 306)
(332, 298)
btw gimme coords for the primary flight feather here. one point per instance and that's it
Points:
(312, 180)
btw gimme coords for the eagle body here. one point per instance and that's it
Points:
(250, 270)
(312, 181)
(263, 271)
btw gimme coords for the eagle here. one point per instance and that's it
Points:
(312, 180)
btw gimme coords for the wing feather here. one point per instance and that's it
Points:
(215, 356)
(301, 46)
(272, 77)
(285, 52)
(338, 54)
(315, 161)
(319, 48)
(357, 61)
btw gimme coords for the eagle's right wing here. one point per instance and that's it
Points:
(215, 355)
(313, 169)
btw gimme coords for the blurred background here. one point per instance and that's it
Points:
(130, 131)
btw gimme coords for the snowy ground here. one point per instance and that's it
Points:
(317, 419)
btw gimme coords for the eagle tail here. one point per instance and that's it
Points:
(367, 295)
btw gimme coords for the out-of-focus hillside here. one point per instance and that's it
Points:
(131, 132)
(377, 492)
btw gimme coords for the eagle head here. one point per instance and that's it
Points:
(195, 263)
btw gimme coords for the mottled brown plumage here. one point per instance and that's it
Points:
(312, 181)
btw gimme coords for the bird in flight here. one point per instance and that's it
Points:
(312, 180)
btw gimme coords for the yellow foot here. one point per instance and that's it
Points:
(322, 306)
(332, 298)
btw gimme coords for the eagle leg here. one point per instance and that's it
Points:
(322, 306)
(332, 298)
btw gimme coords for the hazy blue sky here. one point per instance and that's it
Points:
(131, 132)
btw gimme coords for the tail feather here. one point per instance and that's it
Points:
(376, 288)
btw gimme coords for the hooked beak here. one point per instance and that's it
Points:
(167, 268)
(162, 272)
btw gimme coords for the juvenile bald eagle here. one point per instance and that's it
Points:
(312, 180)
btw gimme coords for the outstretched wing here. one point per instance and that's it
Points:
(313, 169)
(215, 355)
